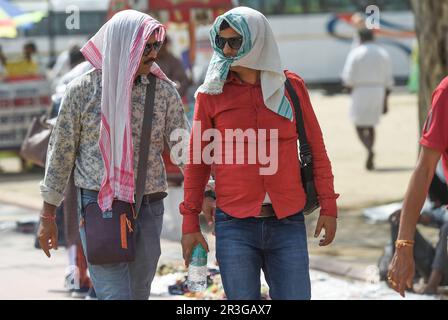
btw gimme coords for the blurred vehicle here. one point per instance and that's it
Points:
(25, 93)
(92, 15)
(315, 36)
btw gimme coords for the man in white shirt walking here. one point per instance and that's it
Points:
(368, 75)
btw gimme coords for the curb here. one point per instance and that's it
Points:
(10, 198)
(337, 267)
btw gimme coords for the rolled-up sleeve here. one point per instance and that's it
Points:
(61, 154)
(197, 173)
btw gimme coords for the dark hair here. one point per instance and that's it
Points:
(31, 46)
(224, 25)
(76, 57)
(366, 35)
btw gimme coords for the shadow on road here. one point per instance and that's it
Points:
(20, 176)
(393, 169)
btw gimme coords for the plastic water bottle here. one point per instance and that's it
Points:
(197, 270)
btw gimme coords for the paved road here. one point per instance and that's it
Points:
(26, 273)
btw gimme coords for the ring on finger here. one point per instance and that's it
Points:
(392, 282)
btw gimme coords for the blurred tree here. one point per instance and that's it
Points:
(431, 24)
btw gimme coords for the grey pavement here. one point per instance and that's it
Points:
(26, 273)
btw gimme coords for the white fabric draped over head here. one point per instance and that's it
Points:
(117, 49)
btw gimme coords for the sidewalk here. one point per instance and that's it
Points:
(26, 273)
(358, 245)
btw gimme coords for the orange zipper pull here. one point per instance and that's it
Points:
(123, 233)
(129, 225)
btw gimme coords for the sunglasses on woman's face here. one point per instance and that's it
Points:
(150, 46)
(234, 42)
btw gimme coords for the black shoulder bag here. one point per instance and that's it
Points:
(306, 158)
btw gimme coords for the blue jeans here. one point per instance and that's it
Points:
(244, 247)
(126, 281)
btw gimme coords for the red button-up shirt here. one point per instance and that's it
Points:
(240, 188)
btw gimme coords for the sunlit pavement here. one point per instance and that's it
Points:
(26, 273)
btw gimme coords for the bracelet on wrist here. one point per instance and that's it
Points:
(48, 217)
(404, 243)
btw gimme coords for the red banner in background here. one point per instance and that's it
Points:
(178, 10)
(188, 4)
(117, 6)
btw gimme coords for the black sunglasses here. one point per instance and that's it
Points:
(150, 46)
(234, 42)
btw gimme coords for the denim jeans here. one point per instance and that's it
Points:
(244, 247)
(126, 281)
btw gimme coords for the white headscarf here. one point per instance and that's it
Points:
(258, 51)
(117, 49)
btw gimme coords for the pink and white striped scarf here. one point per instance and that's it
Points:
(117, 49)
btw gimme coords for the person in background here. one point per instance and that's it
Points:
(3, 74)
(30, 51)
(358, 22)
(173, 68)
(78, 67)
(77, 280)
(31, 58)
(175, 71)
(368, 75)
(27, 66)
(429, 261)
(2, 64)
(63, 64)
(434, 143)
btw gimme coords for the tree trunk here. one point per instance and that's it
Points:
(431, 25)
